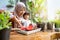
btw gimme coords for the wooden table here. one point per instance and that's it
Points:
(56, 35)
(35, 36)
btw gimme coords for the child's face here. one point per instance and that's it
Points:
(26, 17)
(21, 11)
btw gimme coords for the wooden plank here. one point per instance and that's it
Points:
(35, 36)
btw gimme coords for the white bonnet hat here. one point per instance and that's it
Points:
(21, 4)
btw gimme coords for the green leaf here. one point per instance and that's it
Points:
(4, 20)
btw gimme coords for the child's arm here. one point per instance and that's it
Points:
(17, 21)
(13, 18)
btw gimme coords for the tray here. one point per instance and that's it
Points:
(29, 32)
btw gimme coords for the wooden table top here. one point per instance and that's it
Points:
(35, 36)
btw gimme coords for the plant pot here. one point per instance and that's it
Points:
(50, 26)
(57, 27)
(5, 34)
(41, 25)
(57, 30)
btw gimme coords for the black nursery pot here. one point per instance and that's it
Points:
(50, 26)
(5, 34)
(57, 26)
(41, 25)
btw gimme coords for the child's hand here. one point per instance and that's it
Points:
(18, 22)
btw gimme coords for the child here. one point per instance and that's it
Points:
(20, 9)
(26, 20)
(27, 25)
(18, 14)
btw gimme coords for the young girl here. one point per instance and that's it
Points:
(18, 14)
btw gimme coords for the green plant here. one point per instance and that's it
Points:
(4, 20)
(57, 23)
(58, 12)
(37, 19)
(57, 20)
(11, 3)
(35, 7)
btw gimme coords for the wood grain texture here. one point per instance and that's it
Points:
(35, 36)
